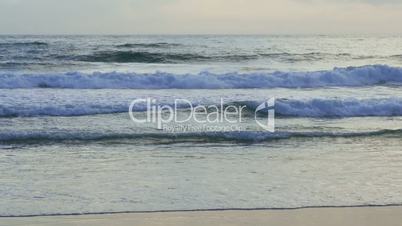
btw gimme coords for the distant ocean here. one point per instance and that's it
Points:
(68, 145)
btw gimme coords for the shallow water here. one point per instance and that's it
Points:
(121, 175)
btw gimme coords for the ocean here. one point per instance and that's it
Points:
(69, 143)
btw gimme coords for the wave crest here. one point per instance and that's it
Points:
(350, 77)
(235, 136)
(324, 108)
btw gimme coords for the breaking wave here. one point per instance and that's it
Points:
(317, 108)
(350, 77)
(335, 107)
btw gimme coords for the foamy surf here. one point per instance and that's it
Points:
(349, 77)
(316, 107)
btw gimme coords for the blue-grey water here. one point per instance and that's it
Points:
(68, 145)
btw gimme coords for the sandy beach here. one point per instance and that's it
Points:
(346, 216)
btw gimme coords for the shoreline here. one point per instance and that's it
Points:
(198, 210)
(345, 216)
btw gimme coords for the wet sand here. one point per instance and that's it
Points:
(343, 216)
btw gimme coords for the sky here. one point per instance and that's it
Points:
(200, 16)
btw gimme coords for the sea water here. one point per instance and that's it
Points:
(68, 145)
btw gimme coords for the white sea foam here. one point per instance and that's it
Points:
(316, 107)
(351, 76)
(340, 108)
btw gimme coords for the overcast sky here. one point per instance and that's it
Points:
(200, 16)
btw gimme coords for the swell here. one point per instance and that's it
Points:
(148, 45)
(348, 77)
(308, 57)
(125, 54)
(130, 56)
(140, 57)
(204, 137)
(23, 44)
